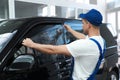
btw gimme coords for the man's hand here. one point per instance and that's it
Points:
(28, 42)
(68, 28)
(76, 34)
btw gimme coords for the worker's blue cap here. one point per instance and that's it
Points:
(93, 16)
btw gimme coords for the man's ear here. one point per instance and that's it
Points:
(89, 24)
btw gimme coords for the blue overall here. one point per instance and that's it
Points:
(92, 76)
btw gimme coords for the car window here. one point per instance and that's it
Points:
(75, 25)
(60, 37)
(45, 34)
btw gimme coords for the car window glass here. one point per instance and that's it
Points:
(45, 34)
(60, 37)
(75, 25)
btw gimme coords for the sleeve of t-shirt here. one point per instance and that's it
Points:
(82, 47)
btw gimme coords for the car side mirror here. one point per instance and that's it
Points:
(22, 63)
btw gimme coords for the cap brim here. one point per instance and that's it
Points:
(82, 16)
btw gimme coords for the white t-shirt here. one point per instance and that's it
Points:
(86, 54)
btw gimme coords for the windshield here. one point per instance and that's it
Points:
(4, 39)
(7, 29)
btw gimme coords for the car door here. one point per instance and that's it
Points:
(49, 67)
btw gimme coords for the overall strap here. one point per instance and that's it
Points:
(99, 46)
(98, 63)
(92, 76)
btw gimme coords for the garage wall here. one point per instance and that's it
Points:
(26, 11)
(113, 13)
(74, 6)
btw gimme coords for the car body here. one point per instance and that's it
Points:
(18, 62)
(109, 68)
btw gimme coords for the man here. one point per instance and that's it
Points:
(85, 51)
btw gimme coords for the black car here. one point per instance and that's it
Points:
(110, 67)
(18, 62)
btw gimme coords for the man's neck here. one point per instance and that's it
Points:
(95, 32)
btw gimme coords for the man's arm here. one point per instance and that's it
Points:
(49, 49)
(76, 34)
